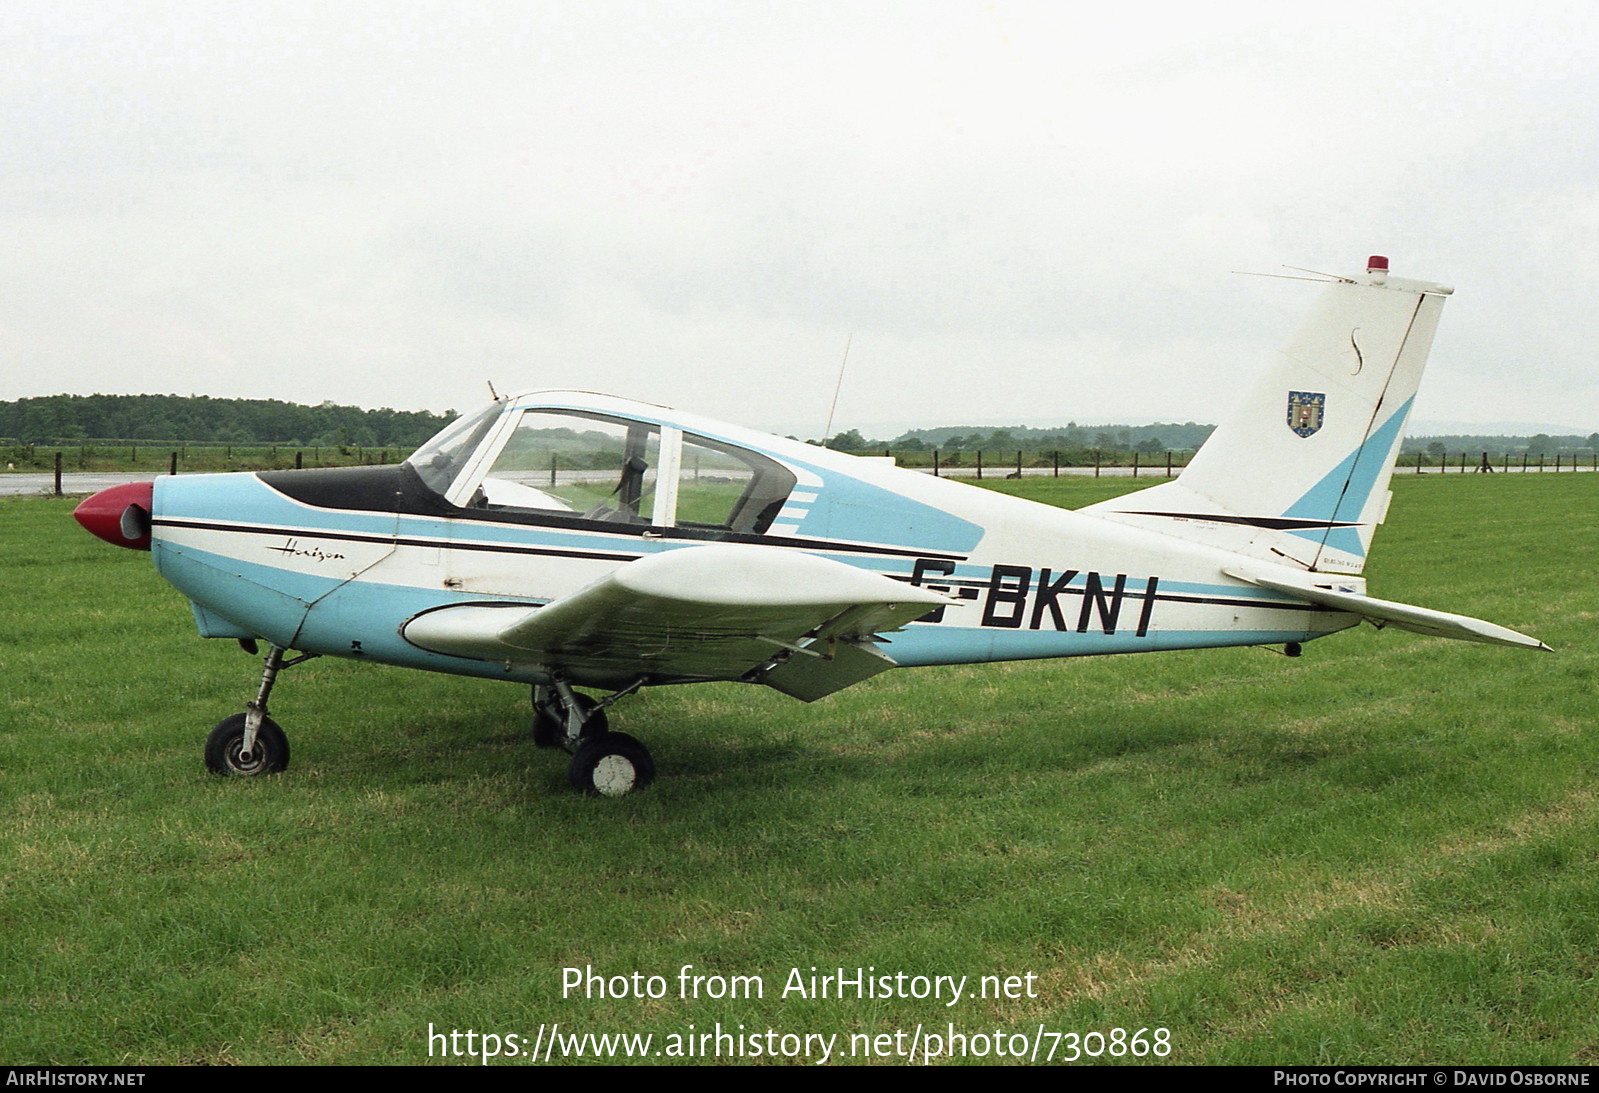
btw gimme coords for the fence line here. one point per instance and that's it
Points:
(1012, 463)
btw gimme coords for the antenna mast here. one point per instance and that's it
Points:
(827, 432)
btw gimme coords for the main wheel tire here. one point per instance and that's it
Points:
(225, 746)
(549, 727)
(610, 765)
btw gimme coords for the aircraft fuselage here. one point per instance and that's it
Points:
(338, 562)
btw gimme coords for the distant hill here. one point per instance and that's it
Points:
(57, 419)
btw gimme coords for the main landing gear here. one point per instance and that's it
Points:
(604, 763)
(251, 743)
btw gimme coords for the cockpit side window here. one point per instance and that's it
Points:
(735, 489)
(583, 465)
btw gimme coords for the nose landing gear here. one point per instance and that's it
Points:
(251, 743)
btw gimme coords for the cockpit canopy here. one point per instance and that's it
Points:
(522, 459)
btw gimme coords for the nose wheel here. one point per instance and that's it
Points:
(251, 743)
(225, 751)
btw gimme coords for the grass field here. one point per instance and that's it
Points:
(1383, 851)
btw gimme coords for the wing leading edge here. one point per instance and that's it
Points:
(801, 624)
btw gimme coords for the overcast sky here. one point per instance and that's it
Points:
(1012, 212)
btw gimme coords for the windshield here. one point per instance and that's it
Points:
(441, 459)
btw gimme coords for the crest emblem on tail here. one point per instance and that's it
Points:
(1305, 410)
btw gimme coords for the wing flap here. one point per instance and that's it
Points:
(1404, 616)
(841, 665)
(720, 611)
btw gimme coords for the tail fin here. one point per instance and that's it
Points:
(1300, 474)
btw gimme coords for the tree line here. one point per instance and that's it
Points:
(1540, 444)
(1170, 437)
(70, 419)
(1160, 437)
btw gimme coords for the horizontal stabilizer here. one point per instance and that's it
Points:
(1404, 616)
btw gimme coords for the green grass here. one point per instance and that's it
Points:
(1383, 851)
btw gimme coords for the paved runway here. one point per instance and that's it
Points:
(30, 483)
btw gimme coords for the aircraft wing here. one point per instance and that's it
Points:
(1404, 616)
(799, 623)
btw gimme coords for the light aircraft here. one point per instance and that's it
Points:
(565, 539)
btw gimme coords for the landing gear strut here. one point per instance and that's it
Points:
(562, 717)
(251, 743)
(604, 763)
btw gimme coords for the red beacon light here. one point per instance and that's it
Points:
(1377, 268)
